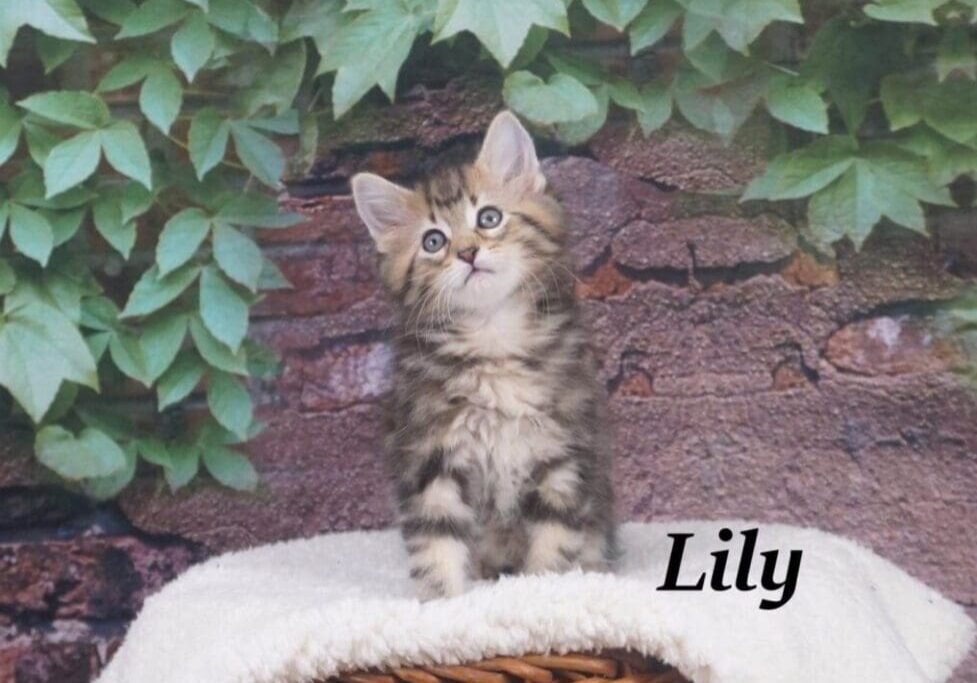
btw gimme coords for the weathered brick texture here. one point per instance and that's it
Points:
(748, 378)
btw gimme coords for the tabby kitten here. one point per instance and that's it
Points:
(497, 437)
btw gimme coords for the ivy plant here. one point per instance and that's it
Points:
(141, 159)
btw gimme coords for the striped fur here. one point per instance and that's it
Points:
(497, 428)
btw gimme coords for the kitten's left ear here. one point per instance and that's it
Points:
(508, 155)
(384, 206)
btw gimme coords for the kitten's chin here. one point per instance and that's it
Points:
(484, 290)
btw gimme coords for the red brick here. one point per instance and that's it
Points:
(324, 280)
(892, 346)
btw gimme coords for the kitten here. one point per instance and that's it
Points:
(497, 440)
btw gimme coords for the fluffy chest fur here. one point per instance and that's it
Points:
(494, 404)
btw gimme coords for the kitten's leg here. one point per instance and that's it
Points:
(561, 533)
(437, 526)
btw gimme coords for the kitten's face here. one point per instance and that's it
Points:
(470, 238)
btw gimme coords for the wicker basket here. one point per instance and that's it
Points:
(606, 667)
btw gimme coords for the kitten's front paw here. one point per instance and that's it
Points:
(440, 567)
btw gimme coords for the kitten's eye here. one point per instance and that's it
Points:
(433, 240)
(489, 217)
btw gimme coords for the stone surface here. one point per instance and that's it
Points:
(94, 578)
(681, 157)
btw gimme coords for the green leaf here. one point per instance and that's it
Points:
(616, 13)
(182, 235)
(136, 200)
(130, 70)
(192, 45)
(577, 132)
(112, 11)
(40, 142)
(99, 313)
(501, 25)
(798, 104)
(259, 154)
(40, 347)
(125, 151)
(738, 22)
(57, 18)
(153, 291)
(107, 215)
(899, 99)
(105, 488)
(719, 108)
(946, 107)
(31, 233)
(184, 463)
(912, 11)
(154, 451)
(161, 340)
(881, 181)
(850, 61)
(951, 108)
(207, 140)
(72, 162)
(64, 224)
(53, 51)
(180, 379)
(654, 21)
(178, 460)
(588, 72)
(63, 403)
(69, 107)
(360, 60)
(272, 277)
(244, 20)
(230, 468)
(286, 123)
(238, 256)
(230, 403)
(8, 278)
(151, 16)
(317, 19)
(91, 454)
(127, 354)
(223, 310)
(711, 57)
(956, 54)
(654, 107)
(10, 127)
(563, 99)
(279, 80)
(215, 353)
(161, 97)
(107, 419)
(258, 210)
(803, 171)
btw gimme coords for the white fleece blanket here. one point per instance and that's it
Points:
(295, 611)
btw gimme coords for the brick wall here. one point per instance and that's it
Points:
(747, 379)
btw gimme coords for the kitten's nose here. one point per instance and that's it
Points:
(468, 255)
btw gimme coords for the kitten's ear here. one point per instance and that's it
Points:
(383, 206)
(508, 154)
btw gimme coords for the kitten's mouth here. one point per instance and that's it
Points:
(477, 271)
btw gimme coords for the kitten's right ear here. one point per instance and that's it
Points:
(384, 206)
